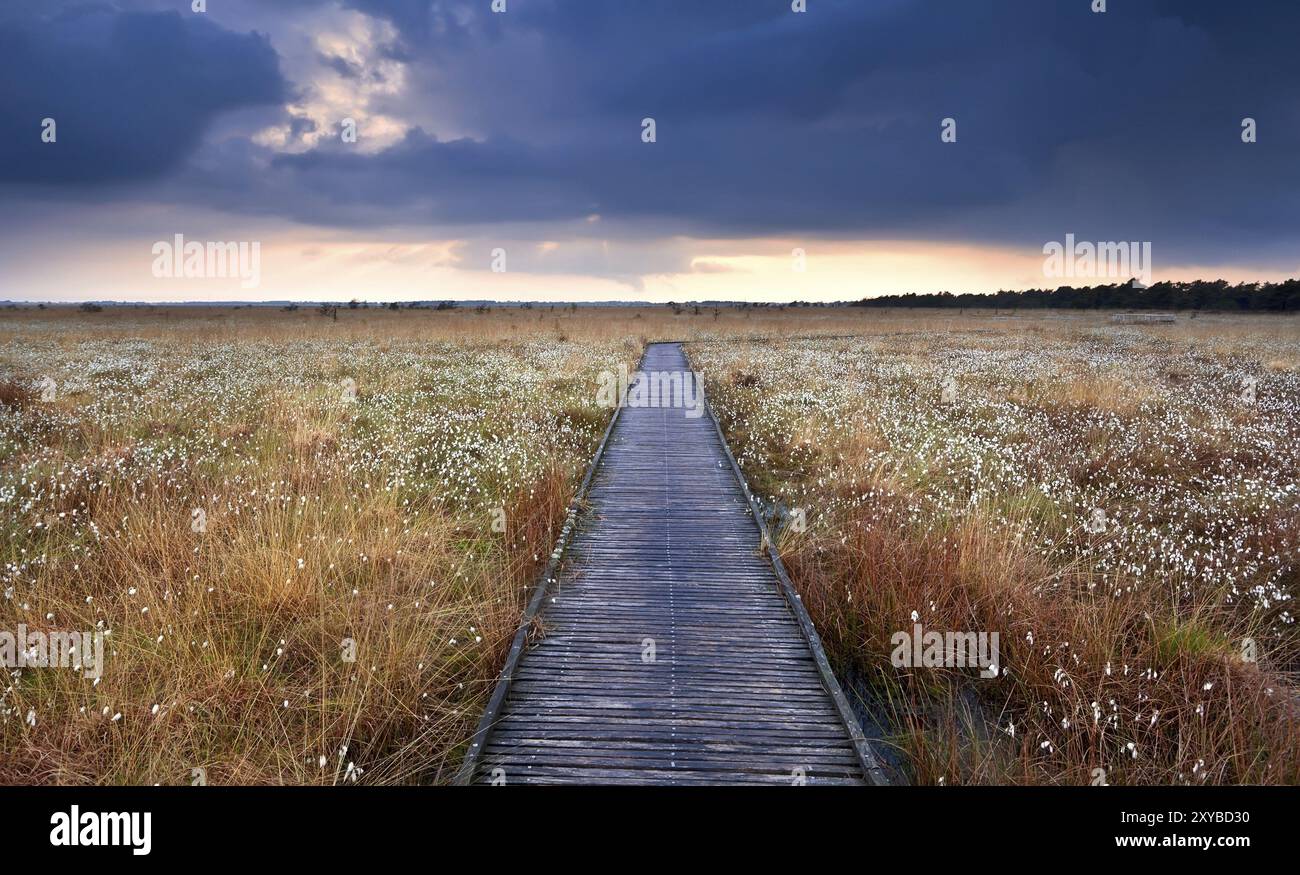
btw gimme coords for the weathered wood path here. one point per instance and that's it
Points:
(672, 650)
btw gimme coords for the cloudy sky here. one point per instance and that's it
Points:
(522, 131)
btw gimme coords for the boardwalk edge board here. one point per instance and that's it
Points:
(469, 765)
(870, 764)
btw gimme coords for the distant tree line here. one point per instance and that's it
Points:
(1198, 295)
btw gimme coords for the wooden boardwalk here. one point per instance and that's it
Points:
(672, 651)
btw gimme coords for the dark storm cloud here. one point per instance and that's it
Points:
(342, 66)
(131, 93)
(1122, 125)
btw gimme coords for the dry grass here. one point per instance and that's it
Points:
(68, 326)
(1120, 651)
(371, 521)
(328, 526)
(17, 393)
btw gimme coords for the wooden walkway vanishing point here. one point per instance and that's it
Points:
(672, 650)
